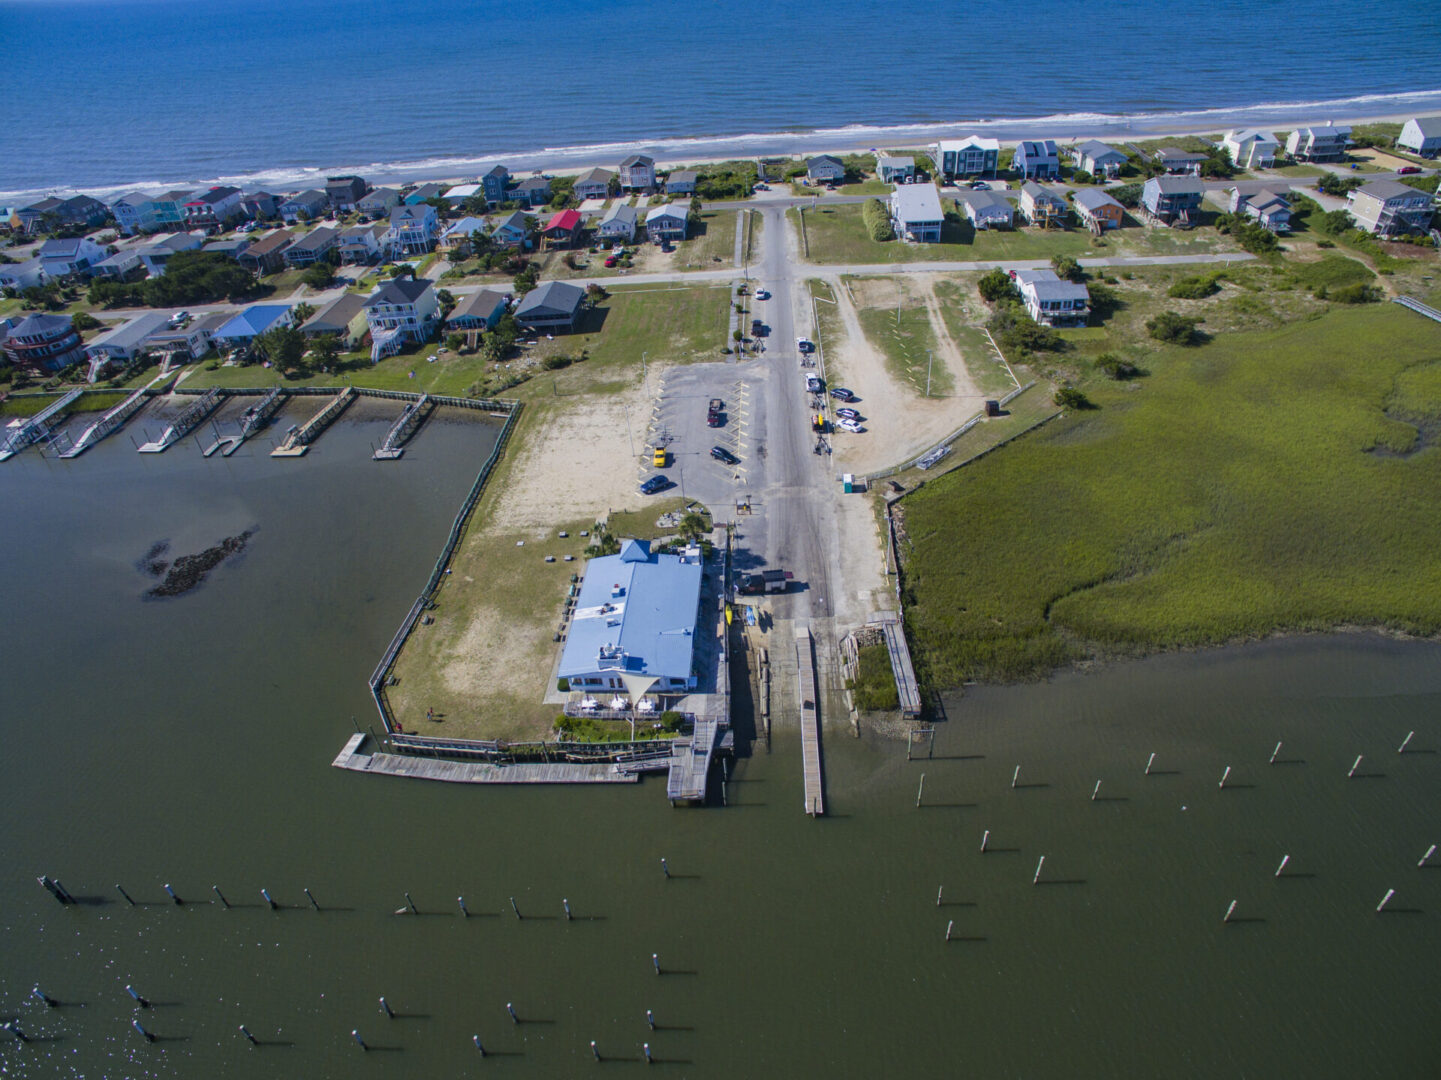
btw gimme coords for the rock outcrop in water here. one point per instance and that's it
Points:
(189, 571)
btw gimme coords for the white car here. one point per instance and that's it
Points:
(761, 294)
(805, 345)
(180, 318)
(847, 424)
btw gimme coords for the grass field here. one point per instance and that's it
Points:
(898, 325)
(1277, 480)
(836, 234)
(965, 314)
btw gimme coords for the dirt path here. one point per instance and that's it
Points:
(899, 424)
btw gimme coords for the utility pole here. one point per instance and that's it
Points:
(928, 372)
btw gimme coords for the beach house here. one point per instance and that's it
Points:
(44, 342)
(1099, 159)
(1322, 142)
(123, 343)
(1172, 200)
(1097, 210)
(192, 340)
(594, 184)
(378, 203)
(1250, 148)
(1386, 208)
(895, 168)
(304, 206)
(260, 206)
(681, 182)
(401, 310)
(1267, 207)
(314, 246)
(666, 223)
(230, 247)
(562, 230)
(154, 255)
(461, 194)
(213, 207)
(532, 192)
(77, 210)
(1037, 159)
(551, 307)
(1052, 301)
(1421, 135)
(344, 317)
(637, 173)
(1177, 161)
(412, 230)
(423, 193)
(633, 630)
(344, 192)
(456, 237)
(987, 209)
(971, 156)
(74, 255)
(133, 213)
(361, 245)
(493, 183)
(825, 169)
(22, 275)
(240, 330)
(1042, 206)
(267, 254)
(511, 232)
(618, 225)
(478, 311)
(916, 213)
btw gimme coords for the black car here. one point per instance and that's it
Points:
(654, 484)
(720, 453)
(840, 393)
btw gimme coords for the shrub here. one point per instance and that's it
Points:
(83, 321)
(1016, 330)
(563, 685)
(1116, 367)
(1194, 288)
(1128, 195)
(1068, 397)
(995, 285)
(672, 720)
(1331, 184)
(1357, 293)
(877, 220)
(1173, 328)
(1067, 267)
(556, 362)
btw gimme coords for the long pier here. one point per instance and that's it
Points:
(901, 668)
(31, 429)
(109, 423)
(810, 722)
(185, 423)
(411, 417)
(299, 440)
(477, 772)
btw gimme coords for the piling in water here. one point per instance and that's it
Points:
(266, 893)
(478, 1045)
(594, 1050)
(355, 1034)
(664, 869)
(1036, 880)
(1354, 766)
(949, 925)
(144, 1003)
(385, 1008)
(939, 891)
(220, 896)
(1284, 860)
(1095, 791)
(514, 908)
(13, 1027)
(1224, 776)
(1015, 776)
(1274, 753)
(311, 898)
(143, 1033)
(464, 913)
(1425, 858)
(51, 1002)
(171, 893)
(921, 790)
(246, 1032)
(411, 905)
(1231, 909)
(650, 1019)
(1405, 742)
(126, 895)
(645, 1049)
(510, 1011)
(655, 962)
(1149, 762)
(1385, 900)
(565, 906)
(985, 840)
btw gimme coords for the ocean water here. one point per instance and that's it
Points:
(103, 95)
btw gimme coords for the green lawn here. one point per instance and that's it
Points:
(836, 234)
(962, 310)
(711, 246)
(1264, 481)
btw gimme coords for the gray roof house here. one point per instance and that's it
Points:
(1386, 208)
(1421, 135)
(1321, 142)
(1269, 208)
(1042, 206)
(71, 255)
(916, 213)
(987, 209)
(1099, 159)
(1037, 159)
(344, 192)
(681, 182)
(1172, 199)
(1097, 210)
(478, 311)
(895, 168)
(532, 192)
(22, 275)
(825, 169)
(304, 205)
(1251, 148)
(667, 222)
(1052, 301)
(313, 246)
(637, 173)
(123, 343)
(594, 184)
(1175, 160)
(619, 223)
(510, 231)
(378, 202)
(343, 316)
(551, 306)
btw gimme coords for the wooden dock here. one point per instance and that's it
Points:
(298, 440)
(476, 772)
(906, 688)
(810, 722)
(690, 761)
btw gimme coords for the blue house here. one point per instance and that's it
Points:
(493, 185)
(634, 628)
(1037, 160)
(250, 324)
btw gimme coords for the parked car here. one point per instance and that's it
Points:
(849, 425)
(849, 414)
(758, 328)
(840, 393)
(611, 261)
(715, 413)
(979, 185)
(1407, 170)
(805, 345)
(180, 318)
(814, 384)
(761, 294)
(654, 484)
(720, 453)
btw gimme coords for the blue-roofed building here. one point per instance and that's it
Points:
(250, 324)
(634, 628)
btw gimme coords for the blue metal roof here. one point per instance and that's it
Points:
(253, 321)
(636, 615)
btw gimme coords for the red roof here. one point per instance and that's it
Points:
(565, 220)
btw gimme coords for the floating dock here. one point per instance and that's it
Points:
(298, 441)
(107, 424)
(410, 420)
(187, 422)
(31, 429)
(251, 421)
(810, 722)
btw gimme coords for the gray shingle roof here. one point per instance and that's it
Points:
(398, 291)
(1430, 126)
(1094, 198)
(551, 296)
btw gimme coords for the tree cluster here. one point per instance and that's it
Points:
(1173, 328)
(877, 220)
(1014, 329)
(191, 277)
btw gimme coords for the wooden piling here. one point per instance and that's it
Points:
(985, 840)
(478, 1045)
(1385, 900)
(1429, 852)
(246, 1032)
(144, 1003)
(385, 1008)
(1229, 911)
(464, 912)
(411, 905)
(939, 891)
(1225, 776)
(510, 1010)
(1095, 791)
(311, 898)
(1274, 753)
(1037, 879)
(1405, 742)
(266, 893)
(1015, 776)
(50, 1002)
(171, 893)
(920, 790)
(355, 1034)
(655, 962)
(565, 906)
(1284, 860)
(126, 895)
(1351, 772)
(220, 896)
(143, 1033)
(514, 908)
(950, 925)
(1149, 762)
